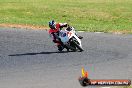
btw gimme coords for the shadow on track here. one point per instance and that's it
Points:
(24, 54)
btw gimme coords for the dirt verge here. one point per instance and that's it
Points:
(24, 26)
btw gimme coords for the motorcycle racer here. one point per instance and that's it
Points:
(54, 33)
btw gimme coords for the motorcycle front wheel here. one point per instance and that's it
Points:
(80, 48)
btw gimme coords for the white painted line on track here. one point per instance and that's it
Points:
(98, 32)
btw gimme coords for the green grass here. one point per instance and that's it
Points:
(88, 15)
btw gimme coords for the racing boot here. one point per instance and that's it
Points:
(60, 47)
(67, 48)
(80, 37)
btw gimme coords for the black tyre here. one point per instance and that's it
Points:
(70, 47)
(75, 43)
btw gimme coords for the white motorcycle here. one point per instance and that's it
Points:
(70, 40)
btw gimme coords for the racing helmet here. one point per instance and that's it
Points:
(52, 24)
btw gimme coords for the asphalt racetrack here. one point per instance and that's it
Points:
(29, 59)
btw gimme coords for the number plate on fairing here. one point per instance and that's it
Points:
(63, 36)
